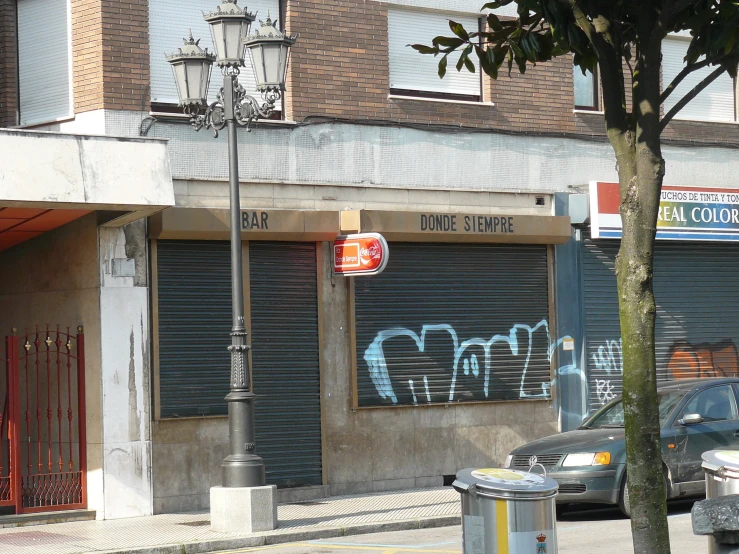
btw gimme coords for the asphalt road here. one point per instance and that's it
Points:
(579, 532)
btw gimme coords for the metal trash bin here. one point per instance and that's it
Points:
(505, 511)
(722, 478)
(722, 472)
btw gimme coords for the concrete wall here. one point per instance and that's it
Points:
(54, 279)
(124, 321)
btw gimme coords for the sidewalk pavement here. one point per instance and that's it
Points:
(190, 533)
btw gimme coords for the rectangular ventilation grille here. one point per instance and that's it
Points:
(547, 460)
(573, 488)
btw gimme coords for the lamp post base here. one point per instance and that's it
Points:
(243, 509)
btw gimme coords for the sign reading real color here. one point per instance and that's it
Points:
(361, 254)
(685, 213)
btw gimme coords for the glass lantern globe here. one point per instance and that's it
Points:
(229, 26)
(269, 50)
(191, 66)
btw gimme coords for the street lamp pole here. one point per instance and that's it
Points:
(242, 467)
(268, 49)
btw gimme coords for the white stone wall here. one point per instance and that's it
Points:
(125, 347)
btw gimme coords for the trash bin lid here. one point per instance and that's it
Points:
(508, 483)
(723, 461)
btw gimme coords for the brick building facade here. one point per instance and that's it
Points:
(338, 411)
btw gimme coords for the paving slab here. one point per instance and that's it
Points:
(190, 533)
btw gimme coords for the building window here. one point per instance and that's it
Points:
(44, 42)
(586, 89)
(715, 103)
(169, 24)
(412, 74)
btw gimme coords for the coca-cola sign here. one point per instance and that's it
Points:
(361, 254)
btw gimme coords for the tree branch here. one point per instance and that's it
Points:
(663, 21)
(687, 70)
(611, 70)
(689, 96)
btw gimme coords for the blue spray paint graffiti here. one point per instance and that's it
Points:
(519, 340)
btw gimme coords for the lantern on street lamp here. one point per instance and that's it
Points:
(229, 26)
(269, 50)
(191, 66)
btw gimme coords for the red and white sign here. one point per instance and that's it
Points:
(685, 213)
(362, 254)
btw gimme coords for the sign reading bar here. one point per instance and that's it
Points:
(361, 254)
(685, 213)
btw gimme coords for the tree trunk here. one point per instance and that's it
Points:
(634, 270)
(641, 169)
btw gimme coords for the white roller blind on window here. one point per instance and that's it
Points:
(410, 70)
(43, 61)
(170, 21)
(714, 103)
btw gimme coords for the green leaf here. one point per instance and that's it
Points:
(494, 22)
(469, 65)
(487, 63)
(442, 66)
(496, 5)
(451, 42)
(425, 49)
(458, 30)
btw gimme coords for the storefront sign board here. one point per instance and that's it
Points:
(360, 254)
(685, 213)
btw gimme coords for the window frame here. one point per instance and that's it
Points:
(680, 115)
(596, 107)
(404, 92)
(70, 75)
(175, 111)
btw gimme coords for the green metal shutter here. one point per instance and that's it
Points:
(194, 292)
(454, 323)
(696, 287)
(284, 321)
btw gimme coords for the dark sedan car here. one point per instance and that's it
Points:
(589, 463)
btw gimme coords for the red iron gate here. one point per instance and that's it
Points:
(43, 465)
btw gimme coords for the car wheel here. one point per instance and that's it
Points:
(624, 504)
(623, 499)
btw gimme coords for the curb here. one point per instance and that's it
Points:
(272, 538)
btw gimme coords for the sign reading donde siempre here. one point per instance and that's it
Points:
(362, 254)
(685, 213)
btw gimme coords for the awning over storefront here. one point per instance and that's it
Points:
(49, 179)
(213, 224)
(458, 227)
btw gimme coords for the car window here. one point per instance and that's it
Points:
(714, 404)
(614, 415)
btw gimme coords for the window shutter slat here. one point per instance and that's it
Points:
(410, 70)
(714, 103)
(44, 95)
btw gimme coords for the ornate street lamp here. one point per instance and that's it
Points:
(191, 66)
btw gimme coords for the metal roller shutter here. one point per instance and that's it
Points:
(411, 71)
(44, 61)
(602, 325)
(454, 323)
(696, 287)
(715, 103)
(194, 306)
(284, 321)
